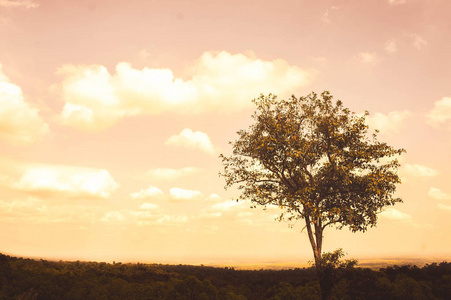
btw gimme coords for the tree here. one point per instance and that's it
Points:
(315, 159)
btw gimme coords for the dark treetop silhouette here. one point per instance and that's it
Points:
(50, 280)
(315, 159)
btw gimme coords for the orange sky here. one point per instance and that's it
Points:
(113, 114)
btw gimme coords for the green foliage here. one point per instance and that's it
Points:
(333, 260)
(314, 159)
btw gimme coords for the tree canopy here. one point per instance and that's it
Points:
(315, 159)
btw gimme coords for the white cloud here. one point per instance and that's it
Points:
(29, 208)
(391, 47)
(67, 181)
(19, 122)
(113, 216)
(230, 210)
(178, 194)
(18, 3)
(171, 174)
(226, 205)
(146, 215)
(394, 214)
(192, 140)
(367, 57)
(444, 207)
(90, 101)
(150, 192)
(148, 206)
(173, 219)
(396, 2)
(229, 82)
(36, 210)
(244, 214)
(438, 194)
(95, 99)
(388, 123)
(418, 41)
(441, 112)
(148, 212)
(325, 16)
(154, 216)
(214, 197)
(210, 215)
(416, 170)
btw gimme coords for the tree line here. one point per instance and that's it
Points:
(22, 278)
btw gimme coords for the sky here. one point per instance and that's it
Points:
(113, 115)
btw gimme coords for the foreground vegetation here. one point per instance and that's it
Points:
(40, 279)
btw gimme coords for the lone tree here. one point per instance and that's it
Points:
(314, 159)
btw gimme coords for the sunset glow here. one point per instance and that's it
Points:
(113, 115)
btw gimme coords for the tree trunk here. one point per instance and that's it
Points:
(316, 241)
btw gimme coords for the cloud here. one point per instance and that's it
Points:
(244, 214)
(178, 194)
(416, 170)
(160, 219)
(441, 112)
(113, 216)
(28, 209)
(396, 2)
(19, 122)
(27, 4)
(95, 100)
(444, 207)
(66, 181)
(36, 210)
(192, 140)
(325, 16)
(150, 192)
(149, 206)
(394, 214)
(90, 101)
(152, 214)
(175, 194)
(438, 194)
(147, 212)
(171, 174)
(226, 205)
(230, 210)
(214, 197)
(210, 215)
(173, 219)
(391, 47)
(390, 123)
(418, 41)
(367, 57)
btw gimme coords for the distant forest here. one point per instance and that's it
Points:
(26, 279)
